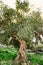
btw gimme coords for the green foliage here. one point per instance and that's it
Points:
(8, 13)
(35, 59)
(22, 5)
(25, 31)
(8, 54)
(36, 21)
(24, 26)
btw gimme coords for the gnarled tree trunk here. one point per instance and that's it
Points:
(22, 53)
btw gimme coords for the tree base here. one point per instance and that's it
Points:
(21, 57)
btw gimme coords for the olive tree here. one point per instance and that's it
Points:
(18, 25)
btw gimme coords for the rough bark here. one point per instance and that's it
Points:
(22, 53)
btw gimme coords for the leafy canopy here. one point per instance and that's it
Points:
(24, 26)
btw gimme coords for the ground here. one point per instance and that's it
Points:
(7, 54)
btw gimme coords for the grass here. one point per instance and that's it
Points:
(36, 59)
(8, 54)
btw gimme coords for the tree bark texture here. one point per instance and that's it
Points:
(22, 53)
